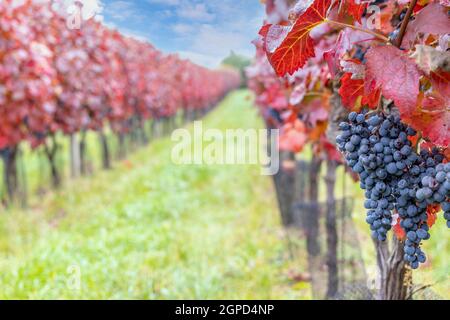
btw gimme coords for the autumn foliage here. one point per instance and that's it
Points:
(53, 79)
(318, 60)
(317, 42)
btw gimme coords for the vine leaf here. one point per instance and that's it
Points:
(432, 211)
(396, 74)
(353, 94)
(432, 115)
(264, 30)
(289, 48)
(346, 40)
(353, 9)
(293, 136)
(432, 19)
(398, 230)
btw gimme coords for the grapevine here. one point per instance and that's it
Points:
(372, 78)
(77, 80)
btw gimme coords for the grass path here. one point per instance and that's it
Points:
(149, 229)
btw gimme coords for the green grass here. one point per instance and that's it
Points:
(149, 229)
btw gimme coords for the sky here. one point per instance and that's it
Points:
(204, 31)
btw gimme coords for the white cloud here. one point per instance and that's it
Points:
(188, 9)
(121, 10)
(195, 11)
(166, 2)
(213, 40)
(234, 29)
(183, 28)
(209, 45)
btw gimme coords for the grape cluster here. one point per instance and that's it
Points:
(395, 177)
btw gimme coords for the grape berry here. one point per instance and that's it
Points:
(399, 183)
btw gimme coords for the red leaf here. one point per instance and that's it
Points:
(432, 211)
(395, 73)
(418, 7)
(293, 137)
(432, 19)
(352, 89)
(372, 99)
(441, 84)
(344, 43)
(432, 116)
(3, 142)
(330, 149)
(388, 9)
(264, 30)
(353, 9)
(399, 231)
(297, 46)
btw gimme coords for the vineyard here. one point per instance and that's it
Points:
(94, 206)
(57, 82)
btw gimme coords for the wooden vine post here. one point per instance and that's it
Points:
(311, 225)
(121, 146)
(331, 231)
(10, 174)
(312, 236)
(50, 148)
(74, 156)
(83, 153)
(106, 154)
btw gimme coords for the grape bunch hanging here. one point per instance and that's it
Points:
(400, 183)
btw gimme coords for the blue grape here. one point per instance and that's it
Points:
(395, 177)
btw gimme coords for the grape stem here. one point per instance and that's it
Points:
(380, 104)
(405, 22)
(379, 108)
(375, 34)
(419, 140)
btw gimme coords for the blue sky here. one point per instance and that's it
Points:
(202, 30)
